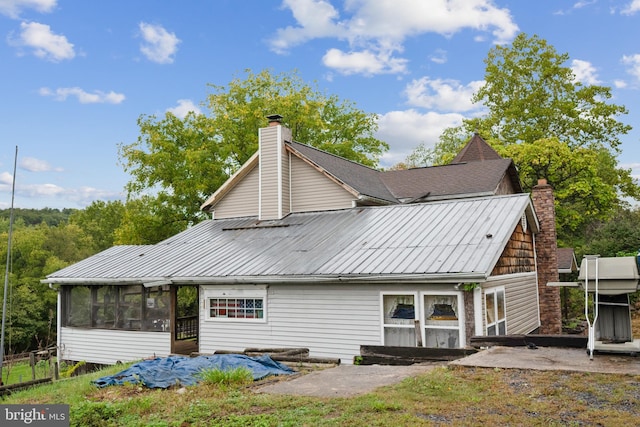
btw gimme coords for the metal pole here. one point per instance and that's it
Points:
(6, 275)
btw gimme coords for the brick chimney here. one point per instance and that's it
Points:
(547, 259)
(274, 170)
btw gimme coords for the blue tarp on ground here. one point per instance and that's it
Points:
(168, 371)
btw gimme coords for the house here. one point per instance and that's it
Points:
(567, 262)
(307, 249)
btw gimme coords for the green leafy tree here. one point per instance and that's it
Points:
(37, 250)
(100, 220)
(177, 163)
(554, 127)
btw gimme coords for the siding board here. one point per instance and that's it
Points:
(312, 191)
(107, 347)
(242, 200)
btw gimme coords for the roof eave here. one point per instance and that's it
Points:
(227, 280)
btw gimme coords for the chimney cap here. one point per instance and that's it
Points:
(274, 118)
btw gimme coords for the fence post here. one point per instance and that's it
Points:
(32, 362)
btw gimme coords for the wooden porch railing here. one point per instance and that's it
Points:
(186, 328)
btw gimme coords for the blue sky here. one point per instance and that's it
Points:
(76, 75)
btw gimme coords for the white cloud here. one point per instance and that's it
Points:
(32, 164)
(633, 61)
(53, 195)
(375, 30)
(439, 56)
(442, 95)
(584, 72)
(364, 62)
(12, 8)
(405, 130)
(45, 44)
(183, 108)
(6, 178)
(97, 97)
(159, 45)
(631, 8)
(619, 84)
(315, 19)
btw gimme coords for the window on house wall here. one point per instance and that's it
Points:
(495, 313)
(399, 316)
(442, 321)
(157, 309)
(129, 307)
(77, 303)
(103, 306)
(236, 308)
(236, 304)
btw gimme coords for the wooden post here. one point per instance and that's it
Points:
(32, 362)
(418, 333)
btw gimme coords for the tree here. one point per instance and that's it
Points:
(550, 124)
(100, 220)
(177, 163)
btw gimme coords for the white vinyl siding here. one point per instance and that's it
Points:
(521, 297)
(331, 320)
(110, 346)
(241, 200)
(311, 190)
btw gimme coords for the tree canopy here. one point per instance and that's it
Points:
(177, 163)
(552, 126)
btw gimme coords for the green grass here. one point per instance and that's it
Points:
(13, 373)
(232, 377)
(444, 396)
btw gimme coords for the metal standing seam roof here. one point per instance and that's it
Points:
(438, 241)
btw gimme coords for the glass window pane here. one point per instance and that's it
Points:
(129, 307)
(491, 330)
(502, 328)
(78, 306)
(104, 303)
(398, 309)
(236, 308)
(441, 310)
(400, 337)
(500, 304)
(157, 309)
(442, 338)
(490, 307)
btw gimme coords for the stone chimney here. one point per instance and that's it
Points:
(274, 170)
(547, 259)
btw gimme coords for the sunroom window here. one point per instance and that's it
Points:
(127, 307)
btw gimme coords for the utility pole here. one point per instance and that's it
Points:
(6, 274)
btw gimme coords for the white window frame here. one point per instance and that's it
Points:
(462, 339)
(493, 293)
(384, 325)
(235, 293)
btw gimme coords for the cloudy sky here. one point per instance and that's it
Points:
(76, 75)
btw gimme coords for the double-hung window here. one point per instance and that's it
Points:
(399, 316)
